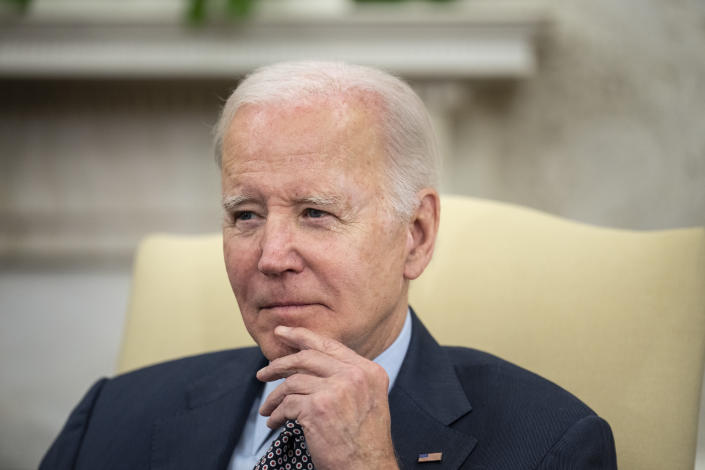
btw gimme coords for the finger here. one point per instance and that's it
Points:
(308, 361)
(298, 384)
(303, 338)
(289, 408)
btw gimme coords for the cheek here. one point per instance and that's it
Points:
(238, 264)
(388, 262)
(378, 266)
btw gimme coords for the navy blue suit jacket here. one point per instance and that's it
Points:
(481, 412)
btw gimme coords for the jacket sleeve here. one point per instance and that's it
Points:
(587, 445)
(64, 451)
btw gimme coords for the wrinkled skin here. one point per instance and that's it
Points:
(320, 266)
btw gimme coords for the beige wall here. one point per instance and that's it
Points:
(611, 130)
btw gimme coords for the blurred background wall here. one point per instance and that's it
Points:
(589, 109)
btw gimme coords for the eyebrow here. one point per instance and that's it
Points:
(319, 200)
(230, 203)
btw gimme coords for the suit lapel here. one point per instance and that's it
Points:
(426, 400)
(204, 434)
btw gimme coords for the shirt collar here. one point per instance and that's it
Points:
(392, 357)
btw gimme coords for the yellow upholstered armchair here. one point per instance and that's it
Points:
(616, 317)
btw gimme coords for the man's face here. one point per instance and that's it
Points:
(309, 239)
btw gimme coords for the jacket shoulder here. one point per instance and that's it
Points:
(162, 387)
(525, 420)
(113, 423)
(189, 368)
(485, 375)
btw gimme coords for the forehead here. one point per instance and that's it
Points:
(340, 130)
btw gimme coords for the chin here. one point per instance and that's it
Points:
(272, 349)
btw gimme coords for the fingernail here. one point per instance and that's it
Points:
(281, 329)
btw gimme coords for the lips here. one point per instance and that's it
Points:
(293, 305)
(286, 303)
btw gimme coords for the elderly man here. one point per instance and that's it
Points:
(328, 176)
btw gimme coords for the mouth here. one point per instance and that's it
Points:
(290, 312)
(288, 305)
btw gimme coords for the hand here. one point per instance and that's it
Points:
(338, 397)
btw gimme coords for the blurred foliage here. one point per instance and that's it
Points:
(20, 5)
(199, 10)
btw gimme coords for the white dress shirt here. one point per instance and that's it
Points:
(257, 437)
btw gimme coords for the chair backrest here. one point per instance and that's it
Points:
(616, 317)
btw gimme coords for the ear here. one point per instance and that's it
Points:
(421, 237)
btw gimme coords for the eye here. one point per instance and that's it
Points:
(243, 215)
(314, 213)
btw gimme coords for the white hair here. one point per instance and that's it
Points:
(412, 162)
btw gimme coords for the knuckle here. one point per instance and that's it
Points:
(378, 372)
(357, 377)
(329, 344)
(286, 386)
(287, 404)
(338, 389)
(323, 404)
(292, 383)
(306, 357)
(279, 364)
(286, 401)
(306, 354)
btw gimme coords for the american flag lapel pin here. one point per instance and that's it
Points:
(430, 457)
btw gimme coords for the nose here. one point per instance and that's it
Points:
(278, 251)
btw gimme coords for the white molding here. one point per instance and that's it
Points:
(458, 41)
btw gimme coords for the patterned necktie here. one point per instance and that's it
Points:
(288, 451)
